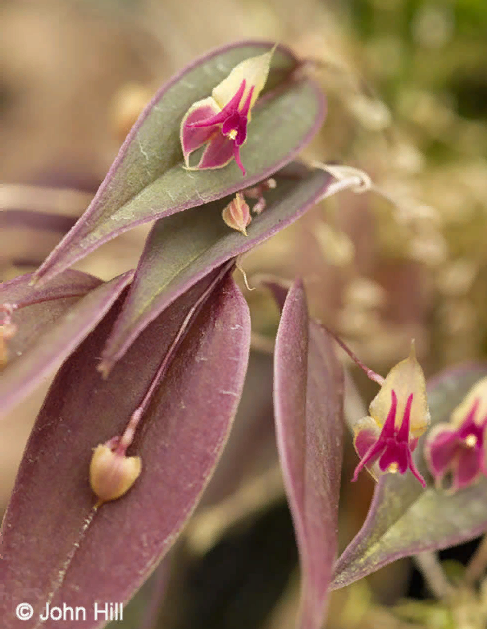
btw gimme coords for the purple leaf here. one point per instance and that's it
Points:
(308, 397)
(35, 220)
(70, 284)
(147, 179)
(49, 551)
(182, 249)
(51, 322)
(251, 449)
(403, 518)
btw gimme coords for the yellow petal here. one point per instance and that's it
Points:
(254, 70)
(479, 390)
(405, 378)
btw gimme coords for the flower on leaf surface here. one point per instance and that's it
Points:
(457, 449)
(220, 120)
(398, 416)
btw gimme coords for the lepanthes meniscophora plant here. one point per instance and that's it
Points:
(150, 366)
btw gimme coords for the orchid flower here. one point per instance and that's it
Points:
(457, 448)
(220, 120)
(398, 416)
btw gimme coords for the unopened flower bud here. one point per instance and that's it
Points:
(237, 214)
(112, 473)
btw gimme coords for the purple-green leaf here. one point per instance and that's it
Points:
(184, 248)
(147, 179)
(403, 518)
(49, 551)
(51, 322)
(308, 401)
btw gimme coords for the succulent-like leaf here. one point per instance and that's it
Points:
(308, 400)
(60, 315)
(403, 518)
(147, 179)
(49, 550)
(184, 248)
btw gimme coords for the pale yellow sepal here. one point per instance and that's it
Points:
(478, 391)
(254, 70)
(405, 378)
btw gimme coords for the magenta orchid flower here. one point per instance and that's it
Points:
(220, 120)
(399, 414)
(457, 449)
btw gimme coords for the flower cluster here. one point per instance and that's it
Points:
(455, 451)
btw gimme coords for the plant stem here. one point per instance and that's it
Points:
(370, 373)
(477, 564)
(436, 580)
(129, 432)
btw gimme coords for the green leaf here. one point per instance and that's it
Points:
(148, 181)
(184, 248)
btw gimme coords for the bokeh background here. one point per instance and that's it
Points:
(406, 82)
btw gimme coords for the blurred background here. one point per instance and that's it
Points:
(406, 82)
